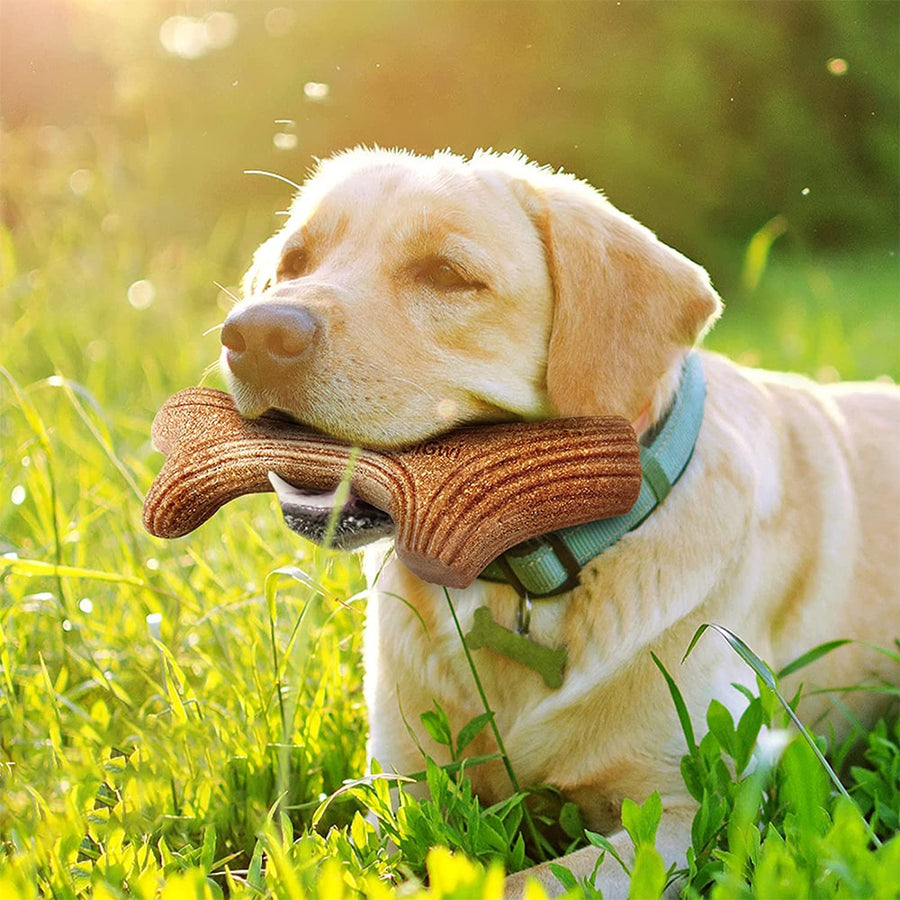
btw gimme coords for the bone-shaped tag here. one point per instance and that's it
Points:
(548, 662)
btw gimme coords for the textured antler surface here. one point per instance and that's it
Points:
(458, 501)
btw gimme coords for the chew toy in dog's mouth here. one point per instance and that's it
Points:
(458, 501)
(337, 518)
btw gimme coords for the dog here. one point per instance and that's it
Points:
(408, 295)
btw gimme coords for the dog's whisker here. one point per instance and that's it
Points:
(209, 371)
(274, 175)
(227, 292)
(213, 328)
(416, 385)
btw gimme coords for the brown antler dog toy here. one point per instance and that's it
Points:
(453, 503)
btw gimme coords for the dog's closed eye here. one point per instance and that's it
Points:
(293, 263)
(446, 275)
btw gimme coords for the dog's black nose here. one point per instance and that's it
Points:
(264, 340)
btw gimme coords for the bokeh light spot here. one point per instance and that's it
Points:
(97, 350)
(111, 223)
(284, 141)
(190, 37)
(279, 21)
(317, 91)
(80, 182)
(141, 294)
(220, 29)
(183, 36)
(154, 625)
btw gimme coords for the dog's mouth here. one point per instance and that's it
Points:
(337, 518)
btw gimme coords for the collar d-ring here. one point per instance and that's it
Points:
(523, 616)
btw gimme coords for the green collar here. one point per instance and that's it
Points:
(551, 564)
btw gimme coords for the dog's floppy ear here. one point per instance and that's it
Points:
(626, 305)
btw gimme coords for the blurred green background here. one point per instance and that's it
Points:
(127, 128)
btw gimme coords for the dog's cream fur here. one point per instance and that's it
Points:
(785, 528)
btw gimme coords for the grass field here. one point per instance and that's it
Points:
(173, 715)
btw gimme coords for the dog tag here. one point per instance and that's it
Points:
(548, 662)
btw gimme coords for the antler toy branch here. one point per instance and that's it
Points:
(457, 502)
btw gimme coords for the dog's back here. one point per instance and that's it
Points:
(831, 507)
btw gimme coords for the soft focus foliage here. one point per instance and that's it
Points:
(172, 716)
(703, 119)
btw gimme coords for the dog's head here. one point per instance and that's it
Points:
(407, 295)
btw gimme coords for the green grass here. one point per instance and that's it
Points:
(173, 716)
(835, 318)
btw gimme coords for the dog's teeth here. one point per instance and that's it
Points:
(311, 514)
(279, 485)
(290, 495)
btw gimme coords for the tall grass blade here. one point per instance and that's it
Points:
(684, 716)
(341, 495)
(38, 568)
(36, 423)
(102, 436)
(762, 669)
(271, 591)
(484, 700)
(767, 676)
(757, 254)
(810, 657)
(349, 786)
(538, 839)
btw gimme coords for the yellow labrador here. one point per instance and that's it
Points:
(408, 295)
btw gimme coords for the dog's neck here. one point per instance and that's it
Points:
(550, 565)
